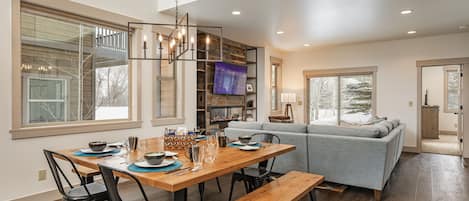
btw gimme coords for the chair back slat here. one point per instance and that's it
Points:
(58, 173)
(53, 167)
(266, 138)
(111, 182)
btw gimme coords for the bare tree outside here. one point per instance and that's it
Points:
(355, 105)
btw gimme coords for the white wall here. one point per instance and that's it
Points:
(21, 159)
(397, 72)
(433, 81)
(263, 79)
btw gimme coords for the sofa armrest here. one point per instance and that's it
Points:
(349, 160)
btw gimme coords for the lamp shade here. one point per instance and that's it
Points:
(288, 97)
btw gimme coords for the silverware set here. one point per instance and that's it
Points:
(179, 171)
(133, 143)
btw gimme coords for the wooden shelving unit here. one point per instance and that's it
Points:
(235, 53)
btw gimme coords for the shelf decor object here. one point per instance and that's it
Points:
(288, 99)
(171, 42)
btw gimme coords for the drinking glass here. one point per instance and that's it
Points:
(125, 150)
(210, 152)
(197, 156)
(142, 146)
(212, 139)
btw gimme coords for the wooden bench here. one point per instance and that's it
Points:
(87, 173)
(292, 186)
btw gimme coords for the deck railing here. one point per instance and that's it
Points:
(108, 38)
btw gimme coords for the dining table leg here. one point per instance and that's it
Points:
(180, 195)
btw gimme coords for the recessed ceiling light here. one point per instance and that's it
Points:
(407, 11)
(412, 32)
(236, 12)
(463, 27)
(280, 32)
(306, 45)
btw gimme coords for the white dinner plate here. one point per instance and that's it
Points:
(249, 148)
(116, 144)
(145, 164)
(89, 151)
(170, 153)
(239, 143)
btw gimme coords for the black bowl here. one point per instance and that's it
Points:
(155, 158)
(97, 146)
(245, 139)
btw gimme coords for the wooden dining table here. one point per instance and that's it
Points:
(228, 160)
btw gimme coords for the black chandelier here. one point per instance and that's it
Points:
(172, 42)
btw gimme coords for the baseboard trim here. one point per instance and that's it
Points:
(44, 196)
(53, 194)
(444, 132)
(410, 149)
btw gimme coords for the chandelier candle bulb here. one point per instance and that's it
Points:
(192, 43)
(160, 37)
(207, 40)
(144, 46)
(192, 46)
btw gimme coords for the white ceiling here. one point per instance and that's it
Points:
(328, 22)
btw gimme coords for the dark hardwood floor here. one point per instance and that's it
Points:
(417, 177)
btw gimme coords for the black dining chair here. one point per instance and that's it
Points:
(255, 177)
(84, 192)
(111, 182)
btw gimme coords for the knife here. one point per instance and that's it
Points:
(177, 170)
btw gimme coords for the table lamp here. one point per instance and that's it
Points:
(288, 99)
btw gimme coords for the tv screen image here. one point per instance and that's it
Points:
(229, 79)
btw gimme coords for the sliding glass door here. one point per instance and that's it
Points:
(324, 96)
(341, 99)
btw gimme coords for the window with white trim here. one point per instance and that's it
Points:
(46, 100)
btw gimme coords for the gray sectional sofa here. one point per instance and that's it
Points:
(363, 157)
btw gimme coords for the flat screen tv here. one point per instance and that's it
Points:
(229, 79)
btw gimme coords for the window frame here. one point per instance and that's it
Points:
(72, 11)
(278, 85)
(339, 72)
(446, 109)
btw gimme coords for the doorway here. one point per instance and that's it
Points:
(440, 109)
(445, 104)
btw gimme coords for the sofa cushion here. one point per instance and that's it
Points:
(383, 130)
(395, 123)
(370, 132)
(285, 127)
(386, 124)
(245, 125)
